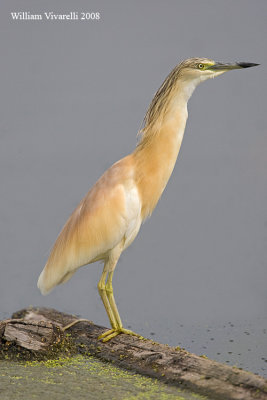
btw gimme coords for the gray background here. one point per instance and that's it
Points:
(73, 95)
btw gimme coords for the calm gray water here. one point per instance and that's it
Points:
(81, 378)
(73, 95)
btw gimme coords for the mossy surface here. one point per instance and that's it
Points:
(80, 378)
(12, 351)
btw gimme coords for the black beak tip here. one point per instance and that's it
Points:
(247, 65)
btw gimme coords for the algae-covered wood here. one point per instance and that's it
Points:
(38, 333)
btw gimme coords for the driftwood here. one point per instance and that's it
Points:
(36, 333)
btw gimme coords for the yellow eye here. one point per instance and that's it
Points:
(200, 66)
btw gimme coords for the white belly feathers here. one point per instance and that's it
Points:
(133, 214)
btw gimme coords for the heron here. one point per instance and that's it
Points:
(109, 217)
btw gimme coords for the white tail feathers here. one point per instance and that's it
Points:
(42, 284)
(48, 281)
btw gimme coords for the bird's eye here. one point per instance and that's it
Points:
(200, 66)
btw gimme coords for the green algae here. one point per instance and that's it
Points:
(62, 345)
(80, 377)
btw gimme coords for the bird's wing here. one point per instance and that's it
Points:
(96, 226)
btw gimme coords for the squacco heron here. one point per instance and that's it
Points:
(109, 217)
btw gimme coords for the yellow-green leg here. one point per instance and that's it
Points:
(118, 328)
(109, 291)
(102, 291)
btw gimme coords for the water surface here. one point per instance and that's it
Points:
(81, 378)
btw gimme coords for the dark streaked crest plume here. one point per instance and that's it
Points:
(159, 104)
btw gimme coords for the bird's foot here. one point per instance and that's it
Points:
(111, 333)
(76, 321)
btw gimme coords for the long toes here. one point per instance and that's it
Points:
(128, 332)
(109, 332)
(76, 321)
(111, 336)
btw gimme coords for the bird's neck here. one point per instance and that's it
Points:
(156, 155)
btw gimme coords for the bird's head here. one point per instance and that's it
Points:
(180, 84)
(200, 69)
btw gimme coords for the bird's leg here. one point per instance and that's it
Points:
(102, 291)
(109, 291)
(119, 328)
(103, 295)
(111, 333)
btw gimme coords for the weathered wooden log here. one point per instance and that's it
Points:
(37, 332)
